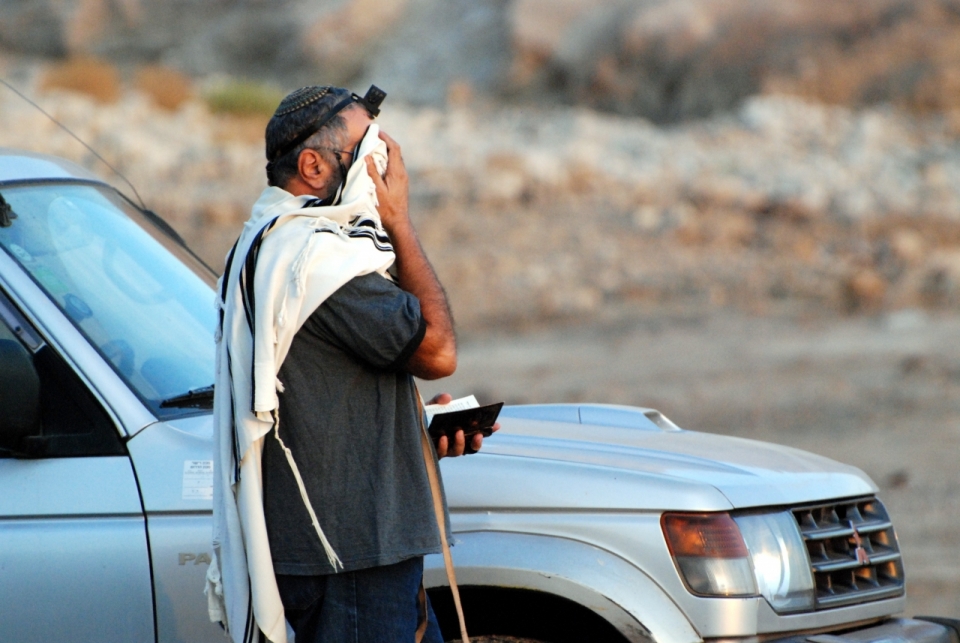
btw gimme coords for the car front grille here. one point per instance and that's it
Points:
(853, 552)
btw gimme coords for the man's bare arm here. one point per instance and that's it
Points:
(437, 355)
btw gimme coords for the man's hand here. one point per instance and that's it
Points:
(459, 446)
(393, 189)
(436, 356)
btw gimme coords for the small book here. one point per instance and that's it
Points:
(464, 413)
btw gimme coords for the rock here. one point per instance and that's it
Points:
(560, 33)
(897, 479)
(908, 245)
(460, 93)
(218, 213)
(907, 320)
(167, 87)
(339, 38)
(648, 218)
(865, 290)
(682, 59)
(941, 283)
(95, 78)
(733, 229)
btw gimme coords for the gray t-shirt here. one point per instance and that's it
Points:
(348, 413)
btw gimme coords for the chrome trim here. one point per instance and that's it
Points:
(853, 551)
(18, 325)
(861, 596)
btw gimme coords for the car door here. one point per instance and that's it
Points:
(74, 561)
(112, 288)
(174, 465)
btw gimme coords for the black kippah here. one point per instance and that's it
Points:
(300, 98)
(304, 96)
(312, 129)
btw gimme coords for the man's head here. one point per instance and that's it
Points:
(318, 163)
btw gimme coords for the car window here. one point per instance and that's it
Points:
(6, 333)
(124, 283)
(72, 421)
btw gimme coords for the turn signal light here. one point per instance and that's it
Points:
(703, 535)
(710, 554)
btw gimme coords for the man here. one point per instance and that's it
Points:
(323, 508)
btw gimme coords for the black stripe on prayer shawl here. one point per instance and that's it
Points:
(381, 237)
(247, 275)
(226, 282)
(364, 221)
(367, 227)
(249, 630)
(235, 445)
(380, 243)
(380, 240)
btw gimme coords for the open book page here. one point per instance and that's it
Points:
(463, 403)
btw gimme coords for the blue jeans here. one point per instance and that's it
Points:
(375, 605)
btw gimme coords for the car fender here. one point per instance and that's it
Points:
(606, 584)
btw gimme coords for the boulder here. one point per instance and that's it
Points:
(679, 59)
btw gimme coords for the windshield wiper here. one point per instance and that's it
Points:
(200, 398)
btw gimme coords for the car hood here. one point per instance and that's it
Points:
(598, 457)
(615, 458)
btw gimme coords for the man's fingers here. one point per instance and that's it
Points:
(447, 450)
(395, 164)
(459, 443)
(392, 145)
(441, 398)
(372, 172)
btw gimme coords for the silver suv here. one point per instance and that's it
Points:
(575, 523)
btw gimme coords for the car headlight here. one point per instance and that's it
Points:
(780, 562)
(749, 555)
(710, 554)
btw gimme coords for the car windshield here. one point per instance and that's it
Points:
(140, 298)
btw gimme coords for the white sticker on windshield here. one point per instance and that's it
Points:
(198, 480)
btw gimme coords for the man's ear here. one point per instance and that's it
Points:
(312, 169)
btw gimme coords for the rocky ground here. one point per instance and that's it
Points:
(787, 270)
(564, 214)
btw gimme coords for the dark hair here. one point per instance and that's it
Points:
(296, 114)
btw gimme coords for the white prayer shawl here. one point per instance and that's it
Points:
(304, 255)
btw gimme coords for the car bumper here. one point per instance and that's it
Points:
(897, 630)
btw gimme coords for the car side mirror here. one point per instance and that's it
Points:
(19, 395)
